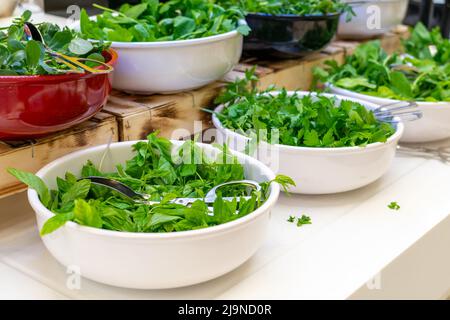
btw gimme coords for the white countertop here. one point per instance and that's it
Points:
(354, 236)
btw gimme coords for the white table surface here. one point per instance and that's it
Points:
(354, 238)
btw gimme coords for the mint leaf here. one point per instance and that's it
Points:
(55, 222)
(79, 190)
(34, 182)
(86, 214)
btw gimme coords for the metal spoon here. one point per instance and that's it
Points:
(144, 198)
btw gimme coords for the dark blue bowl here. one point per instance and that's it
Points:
(289, 36)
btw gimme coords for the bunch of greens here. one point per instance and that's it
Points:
(428, 45)
(311, 121)
(153, 20)
(156, 171)
(21, 57)
(370, 70)
(301, 8)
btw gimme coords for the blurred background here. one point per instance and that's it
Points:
(430, 12)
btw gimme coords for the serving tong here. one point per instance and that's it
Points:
(441, 153)
(404, 110)
(143, 198)
(75, 64)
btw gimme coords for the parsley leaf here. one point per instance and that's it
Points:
(291, 119)
(394, 206)
(303, 220)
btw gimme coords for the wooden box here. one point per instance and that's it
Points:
(32, 155)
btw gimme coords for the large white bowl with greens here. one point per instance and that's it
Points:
(168, 47)
(152, 260)
(174, 66)
(320, 170)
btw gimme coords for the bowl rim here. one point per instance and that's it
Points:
(282, 147)
(292, 16)
(65, 76)
(366, 97)
(40, 209)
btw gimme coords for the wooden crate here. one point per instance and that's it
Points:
(292, 74)
(32, 155)
(174, 116)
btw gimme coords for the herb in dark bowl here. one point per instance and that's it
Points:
(291, 7)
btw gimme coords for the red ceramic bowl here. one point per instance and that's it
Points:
(32, 106)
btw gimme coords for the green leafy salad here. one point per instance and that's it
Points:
(306, 121)
(21, 57)
(421, 74)
(153, 20)
(154, 171)
(300, 8)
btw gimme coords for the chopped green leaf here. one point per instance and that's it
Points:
(303, 220)
(393, 206)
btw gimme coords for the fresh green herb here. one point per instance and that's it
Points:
(393, 206)
(310, 121)
(301, 8)
(155, 171)
(153, 20)
(21, 57)
(418, 75)
(291, 219)
(303, 220)
(428, 45)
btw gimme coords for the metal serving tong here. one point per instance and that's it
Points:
(405, 110)
(75, 64)
(441, 153)
(144, 198)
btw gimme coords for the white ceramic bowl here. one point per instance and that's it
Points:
(173, 66)
(152, 260)
(434, 124)
(321, 170)
(373, 18)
